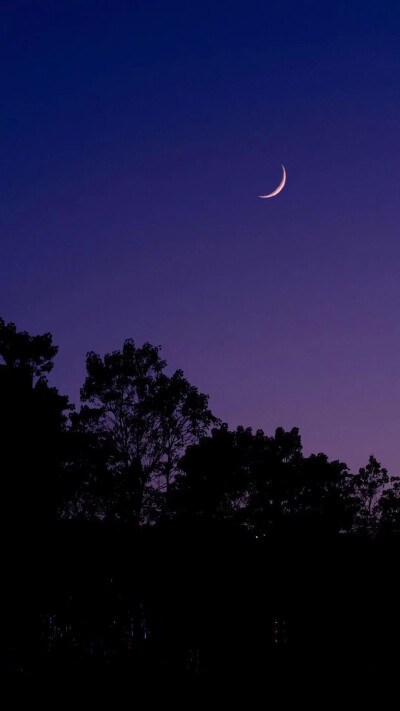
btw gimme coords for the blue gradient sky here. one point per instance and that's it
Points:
(136, 137)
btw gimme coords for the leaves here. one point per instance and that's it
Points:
(368, 487)
(141, 420)
(20, 350)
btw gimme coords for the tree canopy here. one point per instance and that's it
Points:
(137, 421)
(144, 446)
(33, 423)
(20, 350)
(142, 514)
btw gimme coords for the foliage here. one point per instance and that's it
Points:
(263, 482)
(140, 449)
(33, 425)
(20, 350)
(212, 482)
(368, 486)
(389, 509)
(135, 427)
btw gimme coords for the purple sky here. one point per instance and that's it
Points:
(136, 137)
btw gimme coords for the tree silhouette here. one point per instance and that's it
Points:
(32, 353)
(246, 546)
(368, 487)
(212, 483)
(237, 474)
(376, 500)
(33, 423)
(264, 483)
(322, 503)
(274, 483)
(137, 423)
(33, 418)
(389, 509)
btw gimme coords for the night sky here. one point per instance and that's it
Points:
(136, 137)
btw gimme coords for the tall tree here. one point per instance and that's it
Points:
(368, 486)
(389, 508)
(141, 420)
(33, 421)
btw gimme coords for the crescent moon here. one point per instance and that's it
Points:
(280, 186)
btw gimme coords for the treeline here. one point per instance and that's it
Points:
(144, 447)
(146, 538)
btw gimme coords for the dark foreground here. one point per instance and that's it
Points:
(278, 677)
(103, 619)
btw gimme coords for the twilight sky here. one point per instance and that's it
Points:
(136, 137)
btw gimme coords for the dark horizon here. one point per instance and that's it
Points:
(149, 547)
